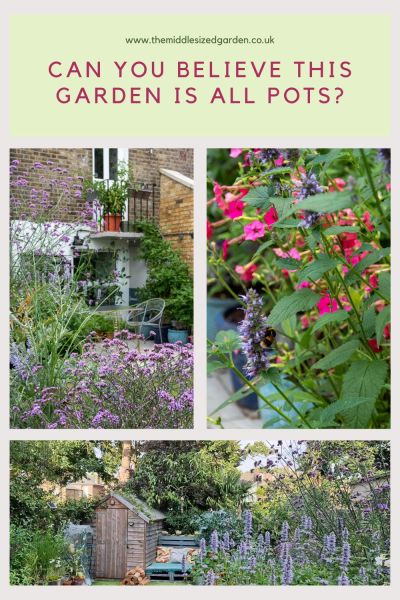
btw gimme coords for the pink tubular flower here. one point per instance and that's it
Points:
(271, 217)
(254, 230)
(209, 230)
(367, 220)
(279, 161)
(234, 209)
(338, 186)
(235, 152)
(246, 272)
(327, 305)
(217, 189)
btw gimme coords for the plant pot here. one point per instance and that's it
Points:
(178, 335)
(215, 308)
(112, 222)
(224, 324)
(146, 329)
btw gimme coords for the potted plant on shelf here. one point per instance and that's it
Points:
(113, 198)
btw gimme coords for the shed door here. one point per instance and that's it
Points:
(111, 542)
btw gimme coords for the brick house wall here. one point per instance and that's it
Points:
(176, 212)
(78, 161)
(145, 163)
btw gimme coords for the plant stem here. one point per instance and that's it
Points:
(373, 190)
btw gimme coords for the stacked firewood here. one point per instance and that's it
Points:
(135, 576)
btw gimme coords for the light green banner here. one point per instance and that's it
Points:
(252, 75)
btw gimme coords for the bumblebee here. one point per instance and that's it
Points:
(269, 337)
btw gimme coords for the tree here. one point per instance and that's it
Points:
(125, 468)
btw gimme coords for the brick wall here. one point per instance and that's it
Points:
(78, 161)
(145, 164)
(176, 216)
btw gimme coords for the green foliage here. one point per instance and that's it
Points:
(168, 276)
(290, 305)
(221, 521)
(113, 197)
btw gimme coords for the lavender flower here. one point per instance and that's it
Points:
(202, 549)
(285, 532)
(384, 156)
(268, 155)
(214, 542)
(346, 555)
(248, 523)
(252, 564)
(267, 538)
(308, 186)
(210, 578)
(363, 575)
(343, 579)
(287, 571)
(253, 329)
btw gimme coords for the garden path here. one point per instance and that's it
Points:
(219, 389)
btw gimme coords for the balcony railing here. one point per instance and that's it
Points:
(140, 206)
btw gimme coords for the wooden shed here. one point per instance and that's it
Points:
(126, 534)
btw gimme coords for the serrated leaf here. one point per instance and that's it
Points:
(328, 318)
(288, 263)
(326, 415)
(214, 365)
(327, 202)
(260, 197)
(290, 305)
(363, 381)
(228, 340)
(284, 207)
(382, 319)
(369, 320)
(384, 283)
(337, 229)
(327, 158)
(278, 171)
(338, 356)
(314, 270)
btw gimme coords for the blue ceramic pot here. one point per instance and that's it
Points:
(178, 335)
(216, 307)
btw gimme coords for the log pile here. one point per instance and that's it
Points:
(135, 576)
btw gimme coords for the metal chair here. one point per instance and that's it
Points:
(147, 313)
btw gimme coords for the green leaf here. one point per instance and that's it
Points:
(372, 258)
(214, 365)
(284, 207)
(336, 229)
(327, 158)
(239, 395)
(326, 415)
(363, 381)
(278, 171)
(369, 321)
(290, 305)
(384, 283)
(228, 341)
(327, 202)
(382, 320)
(263, 247)
(288, 263)
(314, 270)
(260, 197)
(338, 356)
(328, 318)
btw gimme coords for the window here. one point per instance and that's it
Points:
(106, 160)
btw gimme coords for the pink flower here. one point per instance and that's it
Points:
(304, 284)
(367, 220)
(339, 185)
(373, 281)
(246, 272)
(304, 321)
(327, 305)
(234, 209)
(235, 152)
(373, 344)
(217, 189)
(271, 217)
(279, 161)
(209, 230)
(294, 253)
(254, 230)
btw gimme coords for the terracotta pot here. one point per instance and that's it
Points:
(112, 222)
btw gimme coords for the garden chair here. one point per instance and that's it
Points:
(147, 315)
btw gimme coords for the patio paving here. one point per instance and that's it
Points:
(219, 388)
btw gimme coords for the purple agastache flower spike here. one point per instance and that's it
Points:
(253, 329)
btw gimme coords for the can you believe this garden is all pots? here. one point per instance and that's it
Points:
(299, 284)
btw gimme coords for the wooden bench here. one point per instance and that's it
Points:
(171, 571)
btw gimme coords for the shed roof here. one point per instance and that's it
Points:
(135, 504)
(178, 177)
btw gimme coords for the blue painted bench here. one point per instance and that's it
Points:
(171, 571)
